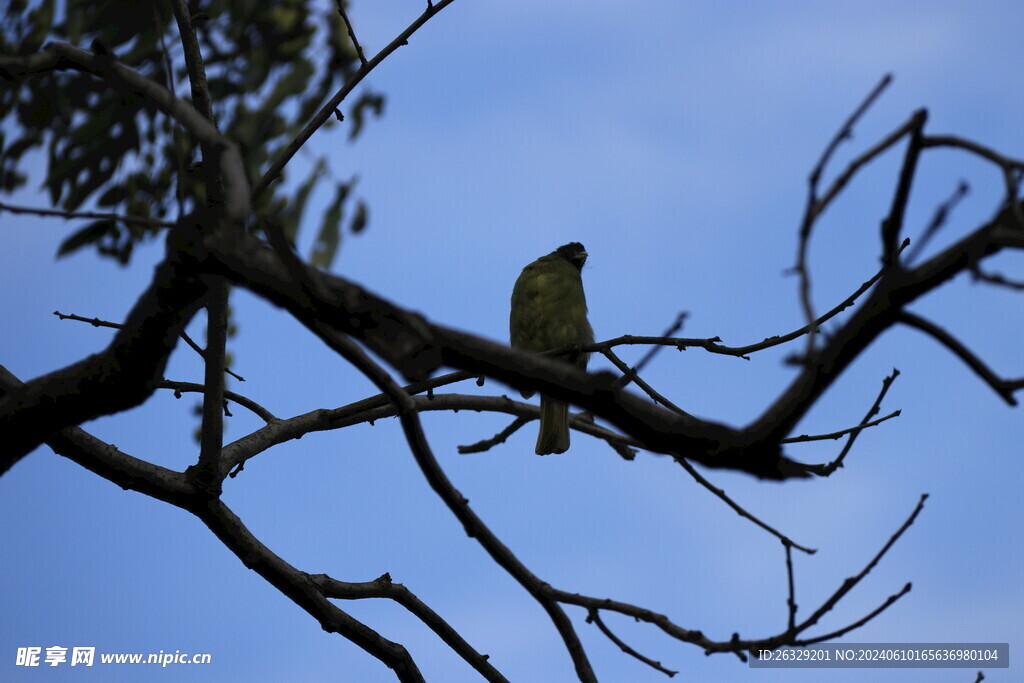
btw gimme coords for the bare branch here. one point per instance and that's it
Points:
(499, 438)
(327, 110)
(107, 461)
(714, 345)
(892, 226)
(996, 279)
(212, 433)
(860, 622)
(351, 33)
(669, 332)
(939, 219)
(788, 542)
(96, 322)
(1002, 387)
(846, 132)
(189, 387)
(842, 432)
(301, 588)
(120, 377)
(876, 314)
(383, 587)
(811, 209)
(70, 215)
(828, 469)
(595, 617)
(840, 183)
(630, 375)
(849, 583)
(791, 600)
(456, 502)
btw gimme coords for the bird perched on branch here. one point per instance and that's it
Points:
(549, 311)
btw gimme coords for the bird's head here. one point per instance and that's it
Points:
(574, 253)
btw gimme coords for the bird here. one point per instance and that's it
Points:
(549, 311)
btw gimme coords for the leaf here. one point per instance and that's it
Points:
(369, 100)
(92, 232)
(329, 237)
(360, 219)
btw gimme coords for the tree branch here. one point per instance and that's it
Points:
(120, 377)
(456, 502)
(71, 215)
(1002, 387)
(96, 322)
(383, 587)
(327, 110)
(226, 161)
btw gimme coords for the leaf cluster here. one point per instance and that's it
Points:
(270, 66)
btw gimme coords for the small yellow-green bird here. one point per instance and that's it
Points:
(549, 311)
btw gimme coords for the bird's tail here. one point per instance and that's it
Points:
(553, 436)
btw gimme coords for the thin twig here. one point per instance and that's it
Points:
(1009, 167)
(630, 374)
(996, 278)
(826, 470)
(691, 470)
(942, 212)
(327, 111)
(96, 322)
(593, 616)
(791, 600)
(803, 438)
(849, 583)
(71, 215)
(714, 345)
(384, 587)
(669, 332)
(812, 210)
(839, 184)
(499, 438)
(191, 387)
(999, 385)
(456, 502)
(351, 32)
(860, 622)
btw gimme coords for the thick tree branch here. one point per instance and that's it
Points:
(417, 347)
(108, 462)
(96, 322)
(120, 377)
(877, 313)
(301, 588)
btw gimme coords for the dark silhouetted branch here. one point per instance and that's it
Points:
(593, 616)
(383, 587)
(1002, 387)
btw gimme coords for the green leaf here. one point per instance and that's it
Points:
(329, 237)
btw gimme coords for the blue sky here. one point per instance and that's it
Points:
(674, 141)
